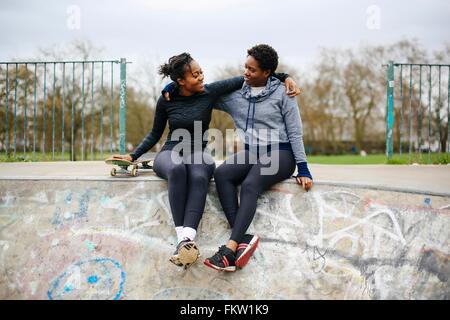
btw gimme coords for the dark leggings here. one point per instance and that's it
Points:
(187, 184)
(230, 174)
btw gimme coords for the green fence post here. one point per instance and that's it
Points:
(438, 110)
(7, 112)
(92, 111)
(44, 116)
(101, 114)
(25, 122)
(401, 111)
(123, 104)
(72, 130)
(34, 112)
(429, 114)
(420, 115)
(53, 110)
(16, 83)
(410, 113)
(82, 112)
(62, 108)
(390, 110)
(448, 111)
(111, 113)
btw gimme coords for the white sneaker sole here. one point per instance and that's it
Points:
(243, 259)
(228, 269)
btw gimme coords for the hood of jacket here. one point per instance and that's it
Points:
(271, 85)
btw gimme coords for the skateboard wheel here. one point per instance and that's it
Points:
(113, 172)
(134, 172)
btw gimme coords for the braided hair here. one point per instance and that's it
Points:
(176, 66)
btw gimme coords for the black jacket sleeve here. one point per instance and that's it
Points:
(281, 76)
(159, 124)
(222, 87)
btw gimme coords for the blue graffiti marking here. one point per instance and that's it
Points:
(92, 279)
(104, 201)
(65, 215)
(56, 219)
(84, 201)
(103, 279)
(68, 199)
(90, 245)
(68, 288)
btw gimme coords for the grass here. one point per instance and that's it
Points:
(381, 159)
(348, 159)
(436, 158)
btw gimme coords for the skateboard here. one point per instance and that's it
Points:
(124, 165)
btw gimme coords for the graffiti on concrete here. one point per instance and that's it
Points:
(336, 243)
(360, 238)
(95, 279)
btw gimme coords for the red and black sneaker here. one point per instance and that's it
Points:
(222, 260)
(245, 249)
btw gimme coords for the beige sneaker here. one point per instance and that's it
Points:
(186, 254)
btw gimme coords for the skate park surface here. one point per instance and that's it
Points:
(68, 230)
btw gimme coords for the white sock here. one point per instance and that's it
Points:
(189, 233)
(179, 231)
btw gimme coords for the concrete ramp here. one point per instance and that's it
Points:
(112, 238)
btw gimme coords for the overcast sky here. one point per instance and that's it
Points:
(216, 32)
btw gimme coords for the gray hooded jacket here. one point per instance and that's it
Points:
(271, 110)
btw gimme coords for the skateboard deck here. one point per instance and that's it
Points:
(124, 166)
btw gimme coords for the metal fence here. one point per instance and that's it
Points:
(416, 108)
(62, 96)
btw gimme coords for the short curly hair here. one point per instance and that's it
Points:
(266, 56)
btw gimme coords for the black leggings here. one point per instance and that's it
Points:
(187, 184)
(230, 174)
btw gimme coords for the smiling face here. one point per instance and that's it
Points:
(192, 82)
(254, 76)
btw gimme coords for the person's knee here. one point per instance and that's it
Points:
(250, 187)
(199, 178)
